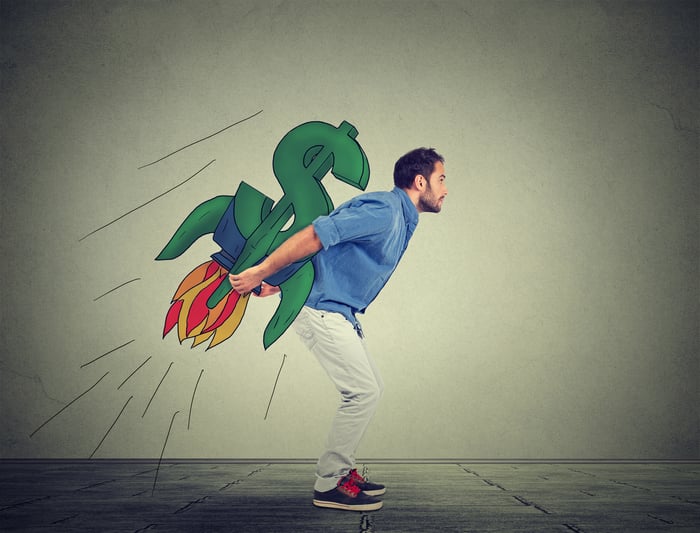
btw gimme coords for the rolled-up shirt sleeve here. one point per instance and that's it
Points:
(353, 221)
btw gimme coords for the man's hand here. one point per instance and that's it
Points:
(247, 280)
(302, 244)
(267, 290)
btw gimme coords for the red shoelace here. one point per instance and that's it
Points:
(348, 487)
(356, 477)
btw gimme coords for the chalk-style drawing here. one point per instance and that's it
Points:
(249, 226)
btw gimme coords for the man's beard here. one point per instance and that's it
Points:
(428, 203)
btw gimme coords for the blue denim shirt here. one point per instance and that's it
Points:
(363, 241)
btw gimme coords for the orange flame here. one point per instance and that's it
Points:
(189, 312)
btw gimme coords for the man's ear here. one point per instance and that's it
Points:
(419, 182)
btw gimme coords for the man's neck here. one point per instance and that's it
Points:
(414, 196)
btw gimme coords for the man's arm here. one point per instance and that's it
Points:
(300, 245)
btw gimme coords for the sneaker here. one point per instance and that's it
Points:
(346, 496)
(366, 486)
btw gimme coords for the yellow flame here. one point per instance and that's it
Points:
(190, 287)
(225, 330)
(187, 299)
(196, 276)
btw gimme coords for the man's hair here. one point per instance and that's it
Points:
(419, 161)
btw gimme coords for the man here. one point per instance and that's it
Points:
(357, 248)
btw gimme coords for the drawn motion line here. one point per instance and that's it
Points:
(158, 387)
(155, 479)
(134, 372)
(115, 288)
(274, 387)
(192, 401)
(68, 405)
(148, 202)
(106, 354)
(199, 140)
(110, 427)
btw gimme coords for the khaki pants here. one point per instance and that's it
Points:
(343, 354)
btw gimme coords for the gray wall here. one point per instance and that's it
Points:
(550, 310)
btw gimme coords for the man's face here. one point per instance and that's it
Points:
(430, 200)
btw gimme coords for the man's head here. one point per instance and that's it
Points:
(421, 173)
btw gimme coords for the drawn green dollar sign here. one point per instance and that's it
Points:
(301, 160)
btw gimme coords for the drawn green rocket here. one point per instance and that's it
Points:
(249, 226)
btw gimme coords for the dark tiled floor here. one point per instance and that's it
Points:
(276, 497)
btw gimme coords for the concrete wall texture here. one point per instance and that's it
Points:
(550, 311)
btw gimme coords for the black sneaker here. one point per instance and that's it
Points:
(366, 486)
(346, 496)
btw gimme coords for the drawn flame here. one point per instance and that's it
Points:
(189, 312)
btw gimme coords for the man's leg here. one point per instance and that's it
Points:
(343, 355)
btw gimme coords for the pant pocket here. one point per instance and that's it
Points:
(304, 330)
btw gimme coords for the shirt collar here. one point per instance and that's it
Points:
(410, 212)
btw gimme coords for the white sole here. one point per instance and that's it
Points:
(345, 507)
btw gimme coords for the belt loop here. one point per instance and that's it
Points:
(358, 329)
